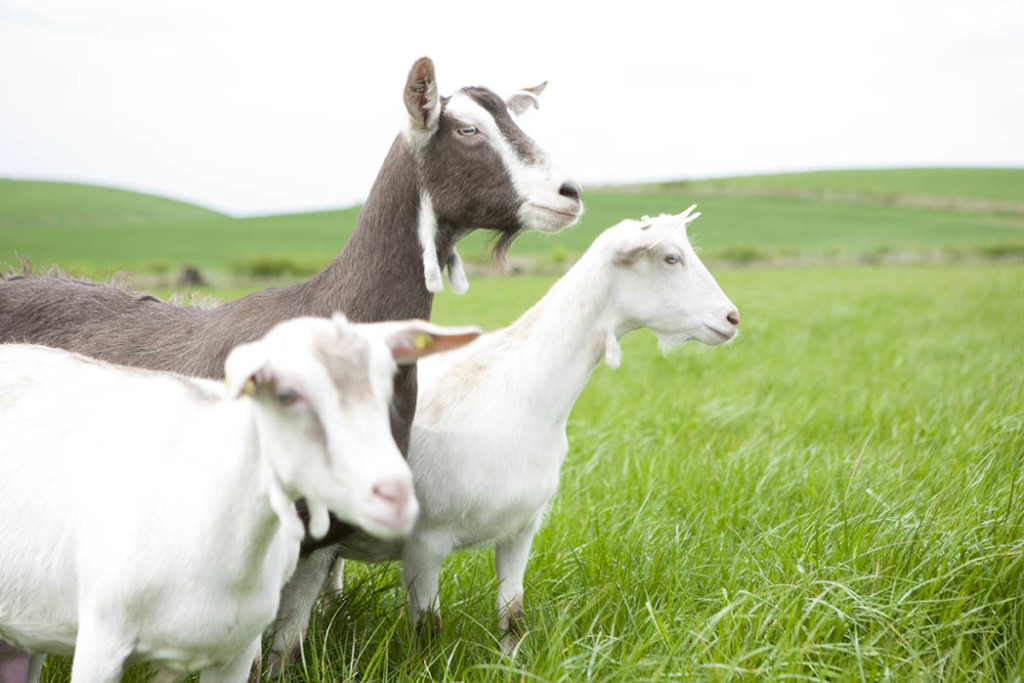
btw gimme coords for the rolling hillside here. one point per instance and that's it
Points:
(25, 204)
(829, 215)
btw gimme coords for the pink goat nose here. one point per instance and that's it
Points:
(733, 317)
(395, 492)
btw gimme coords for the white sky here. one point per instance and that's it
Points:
(252, 107)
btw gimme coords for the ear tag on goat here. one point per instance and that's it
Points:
(645, 222)
(422, 341)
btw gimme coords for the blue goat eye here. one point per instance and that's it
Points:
(672, 259)
(467, 130)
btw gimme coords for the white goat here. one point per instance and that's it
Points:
(489, 435)
(149, 516)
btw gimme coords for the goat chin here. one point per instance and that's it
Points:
(667, 342)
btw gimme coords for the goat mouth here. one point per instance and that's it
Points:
(396, 523)
(567, 214)
(723, 335)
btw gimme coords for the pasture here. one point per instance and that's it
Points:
(836, 495)
(829, 217)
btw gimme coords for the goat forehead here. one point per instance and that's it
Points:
(483, 106)
(347, 364)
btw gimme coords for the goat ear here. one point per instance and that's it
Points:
(242, 369)
(521, 100)
(421, 100)
(643, 238)
(410, 340)
(629, 249)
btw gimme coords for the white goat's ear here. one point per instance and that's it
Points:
(521, 100)
(410, 340)
(629, 249)
(242, 368)
(421, 99)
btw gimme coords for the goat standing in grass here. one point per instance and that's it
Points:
(489, 437)
(460, 163)
(149, 516)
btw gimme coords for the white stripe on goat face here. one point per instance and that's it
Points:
(535, 178)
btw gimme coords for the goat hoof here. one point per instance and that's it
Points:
(256, 670)
(429, 626)
(512, 630)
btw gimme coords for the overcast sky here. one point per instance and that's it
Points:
(252, 107)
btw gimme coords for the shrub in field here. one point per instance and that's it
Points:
(276, 265)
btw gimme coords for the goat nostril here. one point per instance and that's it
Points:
(733, 317)
(571, 189)
(392, 491)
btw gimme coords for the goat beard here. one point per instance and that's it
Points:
(667, 342)
(501, 246)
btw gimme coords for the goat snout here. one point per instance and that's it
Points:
(734, 317)
(394, 492)
(571, 189)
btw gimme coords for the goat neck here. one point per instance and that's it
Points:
(565, 335)
(379, 275)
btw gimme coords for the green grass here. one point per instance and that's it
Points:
(86, 230)
(836, 496)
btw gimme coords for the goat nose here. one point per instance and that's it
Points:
(394, 491)
(571, 189)
(733, 317)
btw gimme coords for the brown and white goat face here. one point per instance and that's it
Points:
(323, 387)
(478, 166)
(663, 285)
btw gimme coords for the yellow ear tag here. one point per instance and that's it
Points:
(422, 341)
(250, 387)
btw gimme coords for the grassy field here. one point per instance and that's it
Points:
(837, 495)
(826, 217)
(834, 496)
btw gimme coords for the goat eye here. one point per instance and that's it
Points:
(287, 397)
(467, 131)
(673, 259)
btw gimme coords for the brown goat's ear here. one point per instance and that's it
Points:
(242, 369)
(521, 100)
(421, 100)
(410, 340)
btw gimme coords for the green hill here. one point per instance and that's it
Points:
(830, 215)
(25, 204)
(979, 189)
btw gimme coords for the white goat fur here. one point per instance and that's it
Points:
(490, 431)
(148, 516)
